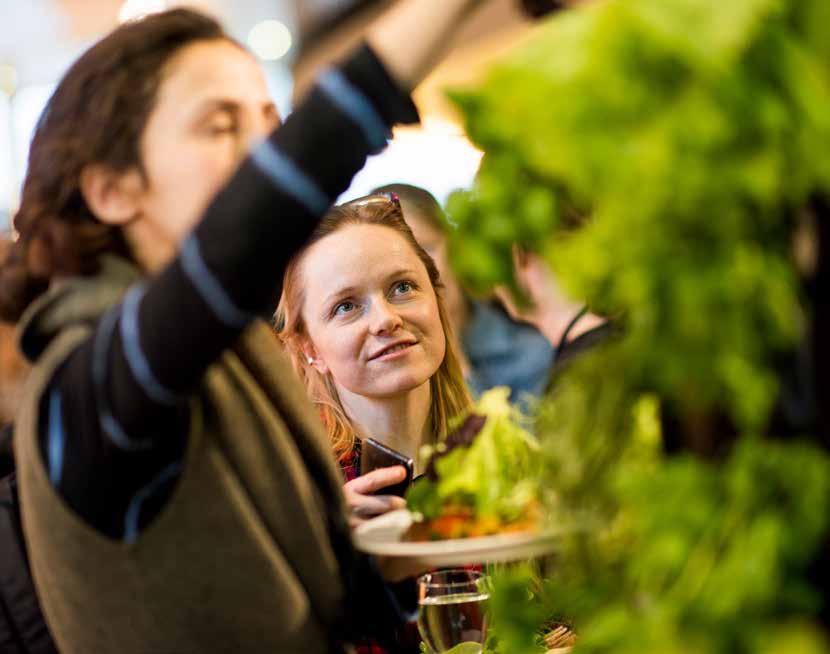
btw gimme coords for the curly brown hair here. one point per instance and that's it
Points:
(96, 115)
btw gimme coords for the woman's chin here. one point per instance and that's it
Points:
(396, 385)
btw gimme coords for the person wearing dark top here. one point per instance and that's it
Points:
(573, 343)
(177, 490)
(23, 629)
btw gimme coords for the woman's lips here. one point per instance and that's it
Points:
(395, 352)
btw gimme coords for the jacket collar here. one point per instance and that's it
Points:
(77, 300)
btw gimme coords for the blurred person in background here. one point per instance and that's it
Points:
(12, 375)
(570, 326)
(23, 629)
(178, 492)
(13, 369)
(501, 344)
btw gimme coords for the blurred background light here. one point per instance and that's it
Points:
(8, 79)
(436, 156)
(132, 9)
(270, 40)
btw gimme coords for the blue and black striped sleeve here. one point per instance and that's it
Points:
(114, 424)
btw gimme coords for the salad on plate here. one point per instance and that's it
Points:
(482, 479)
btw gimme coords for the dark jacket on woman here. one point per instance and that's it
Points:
(263, 556)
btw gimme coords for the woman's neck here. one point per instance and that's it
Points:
(401, 422)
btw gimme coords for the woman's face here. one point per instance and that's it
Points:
(212, 104)
(371, 312)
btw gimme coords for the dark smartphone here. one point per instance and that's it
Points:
(374, 455)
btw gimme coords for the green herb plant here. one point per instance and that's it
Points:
(660, 154)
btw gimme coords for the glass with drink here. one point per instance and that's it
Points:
(451, 610)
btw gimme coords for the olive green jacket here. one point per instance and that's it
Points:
(247, 556)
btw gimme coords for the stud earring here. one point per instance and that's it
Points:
(309, 359)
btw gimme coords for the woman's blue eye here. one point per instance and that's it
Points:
(403, 287)
(343, 307)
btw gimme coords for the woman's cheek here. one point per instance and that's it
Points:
(347, 348)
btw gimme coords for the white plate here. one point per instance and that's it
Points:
(382, 535)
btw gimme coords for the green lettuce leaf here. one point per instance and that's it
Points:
(496, 476)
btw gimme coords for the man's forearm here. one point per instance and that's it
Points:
(412, 37)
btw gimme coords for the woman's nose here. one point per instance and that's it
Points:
(384, 318)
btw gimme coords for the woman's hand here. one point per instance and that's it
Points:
(362, 504)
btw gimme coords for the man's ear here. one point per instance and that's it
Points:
(113, 197)
(312, 359)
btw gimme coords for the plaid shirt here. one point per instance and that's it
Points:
(350, 463)
(408, 639)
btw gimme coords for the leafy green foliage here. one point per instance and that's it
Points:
(658, 153)
(700, 557)
(680, 134)
(462, 648)
(511, 630)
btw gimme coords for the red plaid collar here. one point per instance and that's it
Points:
(350, 463)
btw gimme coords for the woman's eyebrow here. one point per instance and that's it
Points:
(400, 271)
(336, 295)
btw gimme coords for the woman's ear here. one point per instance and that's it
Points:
(310, 354)
(114, 198)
